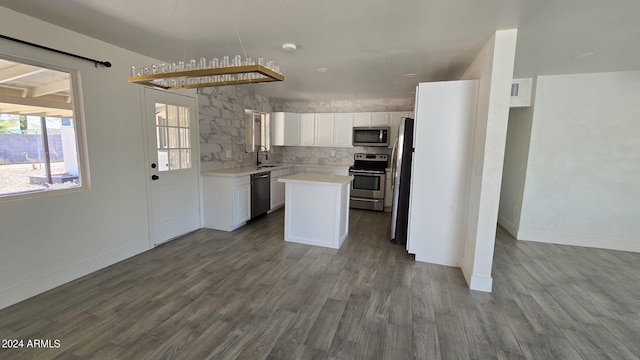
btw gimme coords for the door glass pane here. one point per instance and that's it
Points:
(163, 160)
(184, 117)
(173, 137)
(185, 159)
(184, 138)
(172, 112)
(174, 140)
(174, 159)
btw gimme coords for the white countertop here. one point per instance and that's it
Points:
(246, 170)
(322, 179)
(249, 170)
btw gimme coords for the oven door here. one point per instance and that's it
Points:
(367, 184)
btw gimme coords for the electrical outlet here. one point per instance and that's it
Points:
(228, 153)
(333, 153)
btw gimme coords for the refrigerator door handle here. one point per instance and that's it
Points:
(393, 164)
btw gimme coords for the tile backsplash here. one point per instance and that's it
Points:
(323, 155)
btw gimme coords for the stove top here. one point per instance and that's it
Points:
(370, 162)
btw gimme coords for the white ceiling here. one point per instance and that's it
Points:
(366, 45)
(32, 90)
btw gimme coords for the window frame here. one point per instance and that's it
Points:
(79, 126)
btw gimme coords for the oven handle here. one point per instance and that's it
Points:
(367, 172)
(367, 200)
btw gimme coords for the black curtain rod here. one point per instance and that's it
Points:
(94, 61)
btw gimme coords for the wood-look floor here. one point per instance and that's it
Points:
(249, 295)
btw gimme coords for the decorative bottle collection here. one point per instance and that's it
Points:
(203, 64)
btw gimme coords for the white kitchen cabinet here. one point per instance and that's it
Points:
(277, 188)
(362, 119)
(285, 129)
(292, 129)
(277, 128)
(226, 201)
(308, 129)
(343, 130)
(380, 119)
(242, 200)
(324, 129)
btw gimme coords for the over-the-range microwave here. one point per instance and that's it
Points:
(370, 136)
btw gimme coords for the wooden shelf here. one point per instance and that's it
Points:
(270, 76)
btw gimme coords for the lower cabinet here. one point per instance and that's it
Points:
(226, 201)
(277, 188)
(241, 200)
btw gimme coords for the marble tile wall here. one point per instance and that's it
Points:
(221, 116)
(345, 105)
(323, 155)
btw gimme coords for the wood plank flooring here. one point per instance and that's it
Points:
(249, 295)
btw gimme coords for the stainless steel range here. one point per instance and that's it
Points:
(367, 187)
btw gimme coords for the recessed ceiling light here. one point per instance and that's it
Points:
(322, 70)
(583, 56)
(288, 47)
(410, 75)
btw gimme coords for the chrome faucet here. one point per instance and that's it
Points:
(266, 155)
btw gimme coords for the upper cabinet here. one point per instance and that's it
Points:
(285, 129)
(362, 119)
(324, 129)
(307, 129)
(343, 129)
(329, 129)
(380, 119)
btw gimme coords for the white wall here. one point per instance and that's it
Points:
(583, 176)
(515, 168)
(50, 240)
(494, 69)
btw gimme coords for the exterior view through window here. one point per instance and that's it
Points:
(38, 130)
(172, 134)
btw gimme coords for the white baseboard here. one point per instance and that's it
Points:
(478, 282)
(579, 240)
(508, 225)
(30, 288)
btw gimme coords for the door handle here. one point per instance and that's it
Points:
(155, 177)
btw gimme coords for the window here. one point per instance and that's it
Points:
(172, 134)
(38, 130)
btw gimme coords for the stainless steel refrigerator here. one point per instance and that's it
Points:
(401, 181)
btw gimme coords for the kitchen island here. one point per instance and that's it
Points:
(316, 210)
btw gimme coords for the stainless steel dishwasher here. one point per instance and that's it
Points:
(260, 193)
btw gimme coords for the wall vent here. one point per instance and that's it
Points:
(521, 92)
(515, 89)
